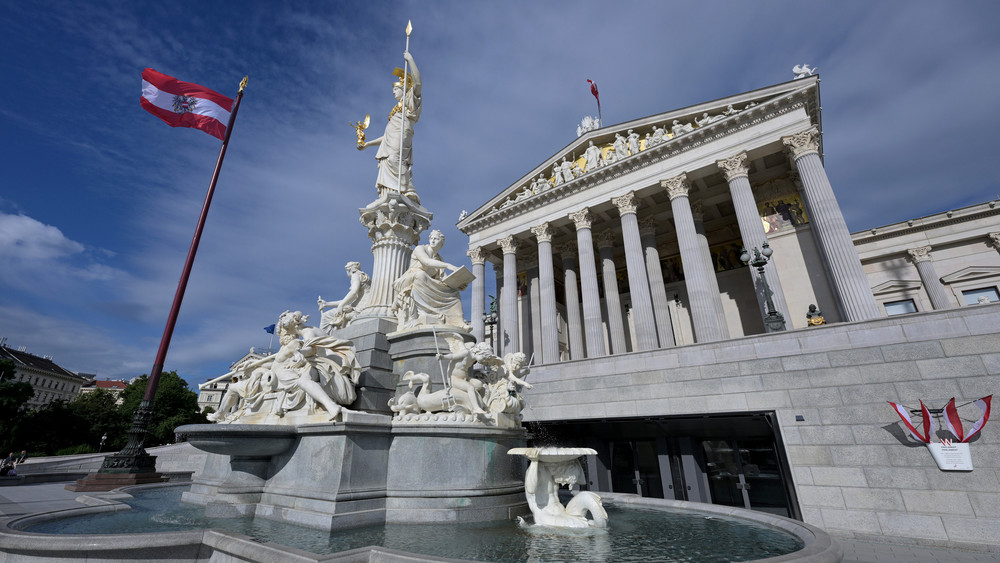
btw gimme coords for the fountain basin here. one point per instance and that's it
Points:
(245, 440)
(403, 542)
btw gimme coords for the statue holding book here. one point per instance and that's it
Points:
(425, 294)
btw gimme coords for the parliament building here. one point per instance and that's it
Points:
(698, 312)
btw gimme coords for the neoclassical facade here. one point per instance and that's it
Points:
(585, 239)
(619, 266)
(51, 381)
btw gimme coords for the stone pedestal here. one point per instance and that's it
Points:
(378, 382)
(415, 350)
(394, 224)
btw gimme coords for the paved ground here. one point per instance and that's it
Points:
(26, 499)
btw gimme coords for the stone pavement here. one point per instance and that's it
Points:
(869, 552)
(27, 499)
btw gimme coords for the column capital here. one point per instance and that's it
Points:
(647, 226)
(697, 210)
(581, 218)
(920, 254)
(508, 244)
(803, 143)
(994, 239)
(676, 187)
(542, 232)
(476, 255)
(566, 250)
(626, 203)
(734, 166)
(605, 239)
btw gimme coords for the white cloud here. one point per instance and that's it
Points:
(24, 238)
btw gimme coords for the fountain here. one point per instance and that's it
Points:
(387, 414)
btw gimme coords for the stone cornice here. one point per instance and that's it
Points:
(734, 166)
(930, 223)
(489, 215)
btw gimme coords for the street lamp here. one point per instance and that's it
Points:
(773, 320)
(490, 319)
(103, 439)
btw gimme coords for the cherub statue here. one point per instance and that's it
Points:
(345, 309)
(360, 127)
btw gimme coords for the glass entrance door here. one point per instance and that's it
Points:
(635, 468)
(745, 473)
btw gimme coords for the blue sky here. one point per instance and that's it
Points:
(99, 199)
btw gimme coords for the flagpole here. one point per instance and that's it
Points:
(133, 458)
(402, 113)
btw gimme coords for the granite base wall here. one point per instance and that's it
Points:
(854, 471)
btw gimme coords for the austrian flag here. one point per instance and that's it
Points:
(183, 104)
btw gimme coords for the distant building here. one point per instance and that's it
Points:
(51, 381)
(210, 393)
(114, 386)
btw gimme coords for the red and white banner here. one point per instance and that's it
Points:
(929, 425)
(183, 104)
(954, 423)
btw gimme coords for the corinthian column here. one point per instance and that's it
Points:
(612, 295)
(850, 285)
(546, 274)
(928, 276)
(657, 290)
(394, 227)
(638, 280)
(509, 336)
(588, 284)
(697, 268)
(736, 172)
(995, 240)
(713, 280)
(478, 258)
(573, 321)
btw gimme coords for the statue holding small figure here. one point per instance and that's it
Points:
(395, 147)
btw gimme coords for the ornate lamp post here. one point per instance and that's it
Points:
(773, 320)
(490, 319)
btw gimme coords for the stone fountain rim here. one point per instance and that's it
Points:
(819, 545)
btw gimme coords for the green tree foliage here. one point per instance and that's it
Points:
(174, 405)
(98, 411)
(14, 396)
(51, 428)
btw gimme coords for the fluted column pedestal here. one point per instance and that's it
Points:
(638, 280)
(394, 225)
(573, 319)
(478, 300)
(850, 284)
(697, 268)
(612, 295)
(928, 276)
(752, 232)
(588, 284)
(657, 290)
(509, 336)
(546, 275)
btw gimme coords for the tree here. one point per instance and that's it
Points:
(174, 405)
(52, 428)
(8, 369)
(14, 396)
(102, 417)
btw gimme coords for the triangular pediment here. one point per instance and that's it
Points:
(656, 132)
(972, 273)
(892, 286)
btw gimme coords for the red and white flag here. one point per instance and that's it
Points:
(928, 422)
(954, 423)
(183, 104)
(593, 90)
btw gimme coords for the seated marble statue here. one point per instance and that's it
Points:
(345, 309)
(502, 394)
(422, 297)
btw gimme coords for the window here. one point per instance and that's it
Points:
(972, 296)
(900, 307)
